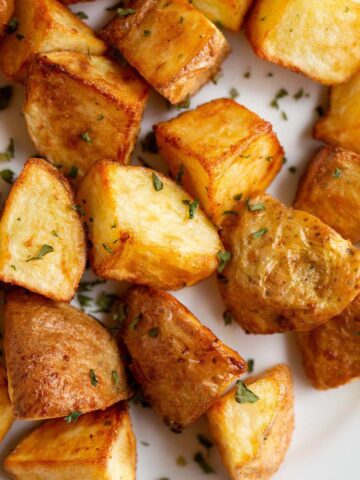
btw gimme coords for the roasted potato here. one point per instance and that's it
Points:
(143, 228)
(80, 109)
(253, 438)
(98, 446)
(179, 364)
(6, 11)
(6, 415)
(70, 2)
(341, 124)
(331, 352)
(225, 13)
(330, 190)
(59, 360)
(288, 271)
(319, 38)
(44, 26)
(173, 45)
(221, 151)
(42, 244)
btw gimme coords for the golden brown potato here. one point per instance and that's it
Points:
(330, 190)
(6, 415)
(341, 124)
(179, 364)
(6, 11)
(42, 244)
(253, 438)
(144, 229)
(98, 446)
(288, 271)
(319, 38)
(331, 352)
(70, 2)
(225, 13)
(173, 46)
(221, 151)
(44, 26)
(59, 360)
(80, 109)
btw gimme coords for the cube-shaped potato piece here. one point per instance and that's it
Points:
(179, 364)
(143, 228)
(224, 13)
(320, 38)
(341, 123)
(59, 360)
(173, 45)
(330, 190)
(331, 352)
(288, 271)
(98, 446)
(6, 11)
(80, 109)
(220, 152)
(6, 414)
(253, 438)
(42, 242)
(44, 26)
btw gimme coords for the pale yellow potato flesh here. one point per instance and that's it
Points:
(6, 11)
(6, 414)
(224, 13)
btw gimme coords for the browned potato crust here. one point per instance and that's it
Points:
(59, 360)
(224, 13)
(223, 151)
(289, 271)
(331, 352)
(98, 446)
(180, 51)
(81, 109)
(6, 415)
(179, 364)
(330, 190)
(6, 11)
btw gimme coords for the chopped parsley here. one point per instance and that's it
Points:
(79, 209)
(158, 184)
(192, 207)
(237, 197)
(125, 12)
(133, 325)
(115, 377)
(44, 250)
(284, 115)
(154, 332)
(233, 93)
(5, 96)
(93, 379)
(280, 94)
(336, 173)
(254, 207)
(7, 175)
(105, 302)
(228, 317)
(205, 441)
(243, 394)
(73, 172)
(223, 257)
(72, 417)
(82, 15)
(86, 137)
(203, 464)
(292, 169)
(260, 233)
(247, 74)
(184, 105)
(9, 152)
(250, 365)
(230, 212)
(84, 300)
(12, 26)
(181, 461)
(54, 232)
(299, 94)
(180, 174)
(107, 248)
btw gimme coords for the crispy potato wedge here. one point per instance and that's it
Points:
(171, 351)
(253, 438)
(45, 26)
(59, 360)
(320, 39)
(189, 48)
(330, 190)
(289, 271)
(141, 231)
(81, 109)
(220, 151)
(99, 446)
(6, 11)
(224, 13)
(6, 414)
(42, 242)
(331, 352)
(341, 124)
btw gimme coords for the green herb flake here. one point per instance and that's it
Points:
(219, 24)
(72, 417)
(284, 116)
(233, 93)
(13, 267)
(12, 26)
(157, 183)
(93, 379)
(192, 207)
(238, 197)
(255, 207)
(154, 332)
(336, 173)
(181, 461)
(243, 394)
(44, 250)
(228, 317)
(147, 33)
(250, 365)
(78, 208)
(260, 233)
(134, 323)
(292, 169)
(203, 464)
(224, 258)
(280, 94)
(9, 152)
(82, 15)
(5, 96)
(115, 377)
(146, 444)
(73, 172)
(54, 232)
(107, 248)
(7, 175)
(230, 212)
(86, 137)
(205, 441)
(299, 94)
(247, 74)
(125, 12)
(105, 302)
(100, 117)
(180, 174)
(84, 300)
(184, 105)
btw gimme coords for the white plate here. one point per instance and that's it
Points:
(325, 442)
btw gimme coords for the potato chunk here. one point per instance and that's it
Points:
(59, 360)
(227, 13)
(341, 124)
(6, 415)
(289, 271)
(319, 38)
(80, 109)
(6, 11)
(173, 46)
(331, 352)
(44, 26)
(253, 438)
(42, 244)
(98, 446)
(330, 190)
(220, 151)
(179, 364)
(143, 228)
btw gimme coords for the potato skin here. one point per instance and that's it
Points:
(49, 372)
(6, 415)
(179, 364)
(331, 352)
(329, 190)
(227, 13)
(254, 438)
(6, 11)
(304, 37)
(288, 271)
(189, 48)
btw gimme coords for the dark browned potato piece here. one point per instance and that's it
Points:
(179, 364)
